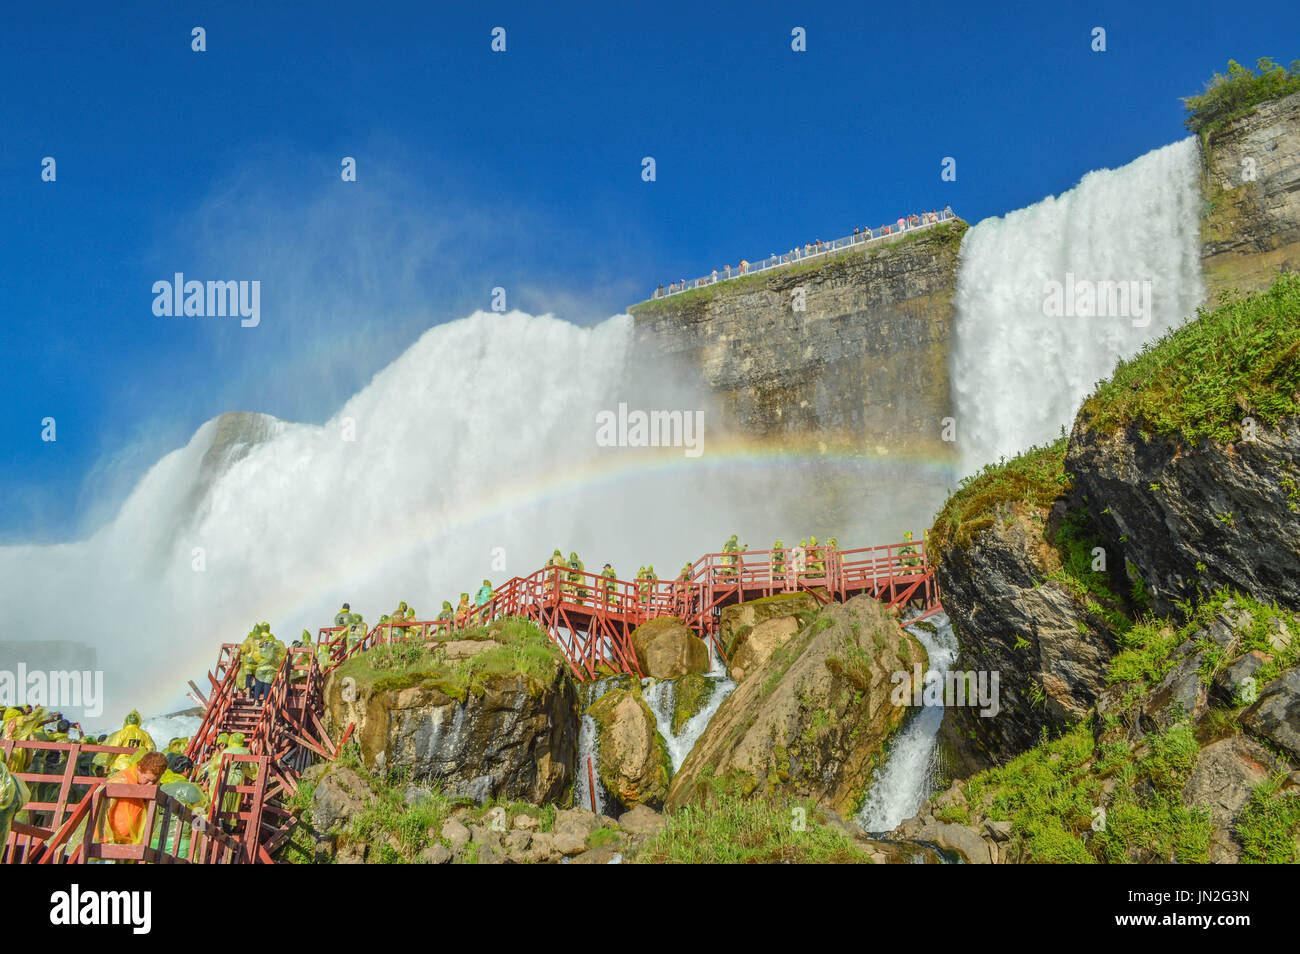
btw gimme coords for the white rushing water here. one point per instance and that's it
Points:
(474, 454)
(1018, 374)
(588, 749)
(471, 456)
(908, 775)
(661, 698)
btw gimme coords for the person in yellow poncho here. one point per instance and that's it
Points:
(130, 736)
(270, 653)
(246, 771)
(247, 658)
(22, 727)
(13, 796)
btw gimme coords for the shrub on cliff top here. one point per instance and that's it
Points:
(1036, 478)
(1204, 378)
(1231, 96)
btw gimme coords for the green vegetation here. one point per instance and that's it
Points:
(1146, 649)
(603, 836)
(1236, 94)
(1052, 795)
(692, 694)
(1269, 827)
(735, 830)
(526, 651)
(1035, 478)
(1075, 542)
(396, 832)
(1144, 657)
(1204, 378)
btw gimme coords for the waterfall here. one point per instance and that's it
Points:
(588, 748)
(662, 698)
(1036, 328)
(908, 775)
(471, 456)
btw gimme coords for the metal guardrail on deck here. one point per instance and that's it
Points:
(806, 252)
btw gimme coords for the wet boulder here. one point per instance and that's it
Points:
(665, 649)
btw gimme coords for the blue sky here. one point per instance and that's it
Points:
(477, 169)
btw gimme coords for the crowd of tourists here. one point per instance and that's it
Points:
(811, 249)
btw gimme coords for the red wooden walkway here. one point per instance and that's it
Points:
(589, 617)
(592, 618)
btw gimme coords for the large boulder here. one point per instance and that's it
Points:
(633, 765)
(666, 648)
(1195, 516)
(755, 645)
(1222, 779)
(340, 794)
(1050, 648)
(811, 720)
(737, 620)
(513, 737)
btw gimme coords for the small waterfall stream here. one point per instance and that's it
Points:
(662, 697)
(588, 749)
(908, 776)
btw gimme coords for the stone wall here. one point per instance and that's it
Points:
(865, 365)
(1250, 229)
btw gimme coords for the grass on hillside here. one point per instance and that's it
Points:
(1235, 94)
(526, 651)
(396, 832)
(1051, 794)
(732, 829)
(1145, 649)
(1269, 826)
(1035, 478)
(1240, 360)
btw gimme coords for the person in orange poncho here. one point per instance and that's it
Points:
(125, 819)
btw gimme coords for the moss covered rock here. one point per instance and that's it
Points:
(501, 723)
(691, 694)
(812, 719)
(666, 648)
(739, 620)
(634, 766)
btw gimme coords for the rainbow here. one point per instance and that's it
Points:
(302, 601)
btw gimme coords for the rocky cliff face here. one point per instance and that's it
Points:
(507, 742)
(865, 364)
(1178, 764)
(1250, 229)
(1194, 516)
(1049, 645)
